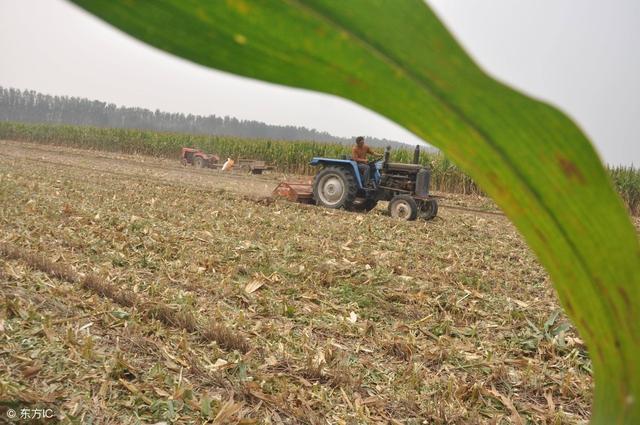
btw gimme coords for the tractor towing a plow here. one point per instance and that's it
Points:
(340, 184)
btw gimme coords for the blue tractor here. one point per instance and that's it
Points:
(340, 184)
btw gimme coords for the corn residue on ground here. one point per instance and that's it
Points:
(131, 296)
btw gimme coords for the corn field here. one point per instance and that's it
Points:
(287, 156)
(627, 182)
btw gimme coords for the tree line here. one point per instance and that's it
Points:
(30, 106)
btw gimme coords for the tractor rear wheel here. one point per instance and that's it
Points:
(335, 187)
(198, 162)
(403, 207)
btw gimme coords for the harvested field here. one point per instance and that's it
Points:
(137, 290)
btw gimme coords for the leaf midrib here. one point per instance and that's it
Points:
(383, 55)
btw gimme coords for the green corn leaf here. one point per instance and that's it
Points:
(396, 58)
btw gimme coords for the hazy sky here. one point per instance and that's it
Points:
(581, 55)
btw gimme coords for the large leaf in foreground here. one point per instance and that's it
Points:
(397, 59)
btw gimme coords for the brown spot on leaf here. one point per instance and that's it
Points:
(540, 235)
(353, 81)
(571, 170)
(496, 182)
(601, 353)
(569, 307)
(617, 344)
(625, 297)
(238, 6)
(602, 288)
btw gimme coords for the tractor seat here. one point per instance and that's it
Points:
(407, 168)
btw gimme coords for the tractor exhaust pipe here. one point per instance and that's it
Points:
(385, 158)
(416, 155)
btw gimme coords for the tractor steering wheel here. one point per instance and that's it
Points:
(375, 159)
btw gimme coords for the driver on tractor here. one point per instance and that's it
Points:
(359, 154)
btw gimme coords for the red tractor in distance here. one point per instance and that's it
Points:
(198, 158)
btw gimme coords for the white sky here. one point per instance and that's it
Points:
(581, 55)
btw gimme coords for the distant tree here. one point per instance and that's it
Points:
(30, 106)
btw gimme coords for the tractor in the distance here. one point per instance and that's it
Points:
(406, 186)
(198, 158)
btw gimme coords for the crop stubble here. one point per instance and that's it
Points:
(252, 309)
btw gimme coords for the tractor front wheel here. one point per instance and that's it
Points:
(335, 187)
(429, 209)
(403, 207)
(199, 162)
